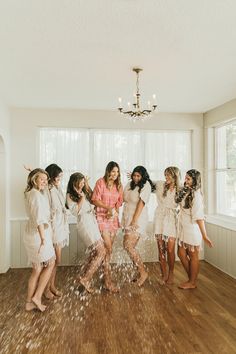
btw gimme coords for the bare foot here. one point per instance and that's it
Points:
(112, 288)
(187, 285)
(56, 292)
(86, 285)
(142, 278)
(161, 281)
(38, 304)
(49, 294)
(164, 276)
(29, 306)
(170, 279)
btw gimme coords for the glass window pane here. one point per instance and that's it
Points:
(226, 192)
(226, 146)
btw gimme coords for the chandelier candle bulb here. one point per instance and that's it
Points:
(138, 114)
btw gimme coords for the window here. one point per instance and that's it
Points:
(225, 148)
(89, 150)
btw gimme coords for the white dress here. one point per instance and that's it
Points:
(38, 211)
(165, 218)
(189, 234)
(131, 199)
(86, 222)
(59, 215)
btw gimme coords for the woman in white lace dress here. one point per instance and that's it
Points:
(165, 221)
(60, 227)
(38, 238)
(135, 215)
(78, 200)
(191, 228)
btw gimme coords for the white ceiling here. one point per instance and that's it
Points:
(79, 53)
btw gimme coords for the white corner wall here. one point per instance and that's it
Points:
(4, 190)
(222, 232)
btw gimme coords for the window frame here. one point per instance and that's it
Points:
(217, 169)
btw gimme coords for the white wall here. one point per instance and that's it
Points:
(4, 190)
(221, 230)
(24, 124)
(220, 114)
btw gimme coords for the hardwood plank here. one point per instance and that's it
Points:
(154, 319)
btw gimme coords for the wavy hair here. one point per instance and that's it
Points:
(32, 178)
(188, 193)
(174, 172)
(53, 171)
(74, 180)
(108, 170)
(145, 177)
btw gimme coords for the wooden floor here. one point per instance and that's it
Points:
(154, 319)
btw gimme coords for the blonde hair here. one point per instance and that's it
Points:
(32, 178)
(174, 172)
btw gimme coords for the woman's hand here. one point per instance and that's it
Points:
(208, 242)
(41, 244)
(112, 213)
(128, 175)
(27, 168)
(133, 225)
(86, 181)
(79, 192)
(109, 213)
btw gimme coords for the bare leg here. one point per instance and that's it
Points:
(183, 256)
(32, 284)
(171, 259)
(162, 257)
(108, 242)
(130, 242)
(96, 258)
(53, 288)
(194, 270)
(43, 280)
(85, 264)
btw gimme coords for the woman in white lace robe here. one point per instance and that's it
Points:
(38, 238)
(191, 228)
(135, 216)
(165, 221)
(78, 200)
(60, 227)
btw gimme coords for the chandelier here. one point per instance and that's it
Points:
(137, 113)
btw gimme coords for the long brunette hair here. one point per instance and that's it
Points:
(189, 192)
(74, 180)
(108, 170)
(145, 177)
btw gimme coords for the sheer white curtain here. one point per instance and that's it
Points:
(68, 148)
(163, 149)
(89, 151)
(124, 147)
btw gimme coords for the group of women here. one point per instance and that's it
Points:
(179, 216)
